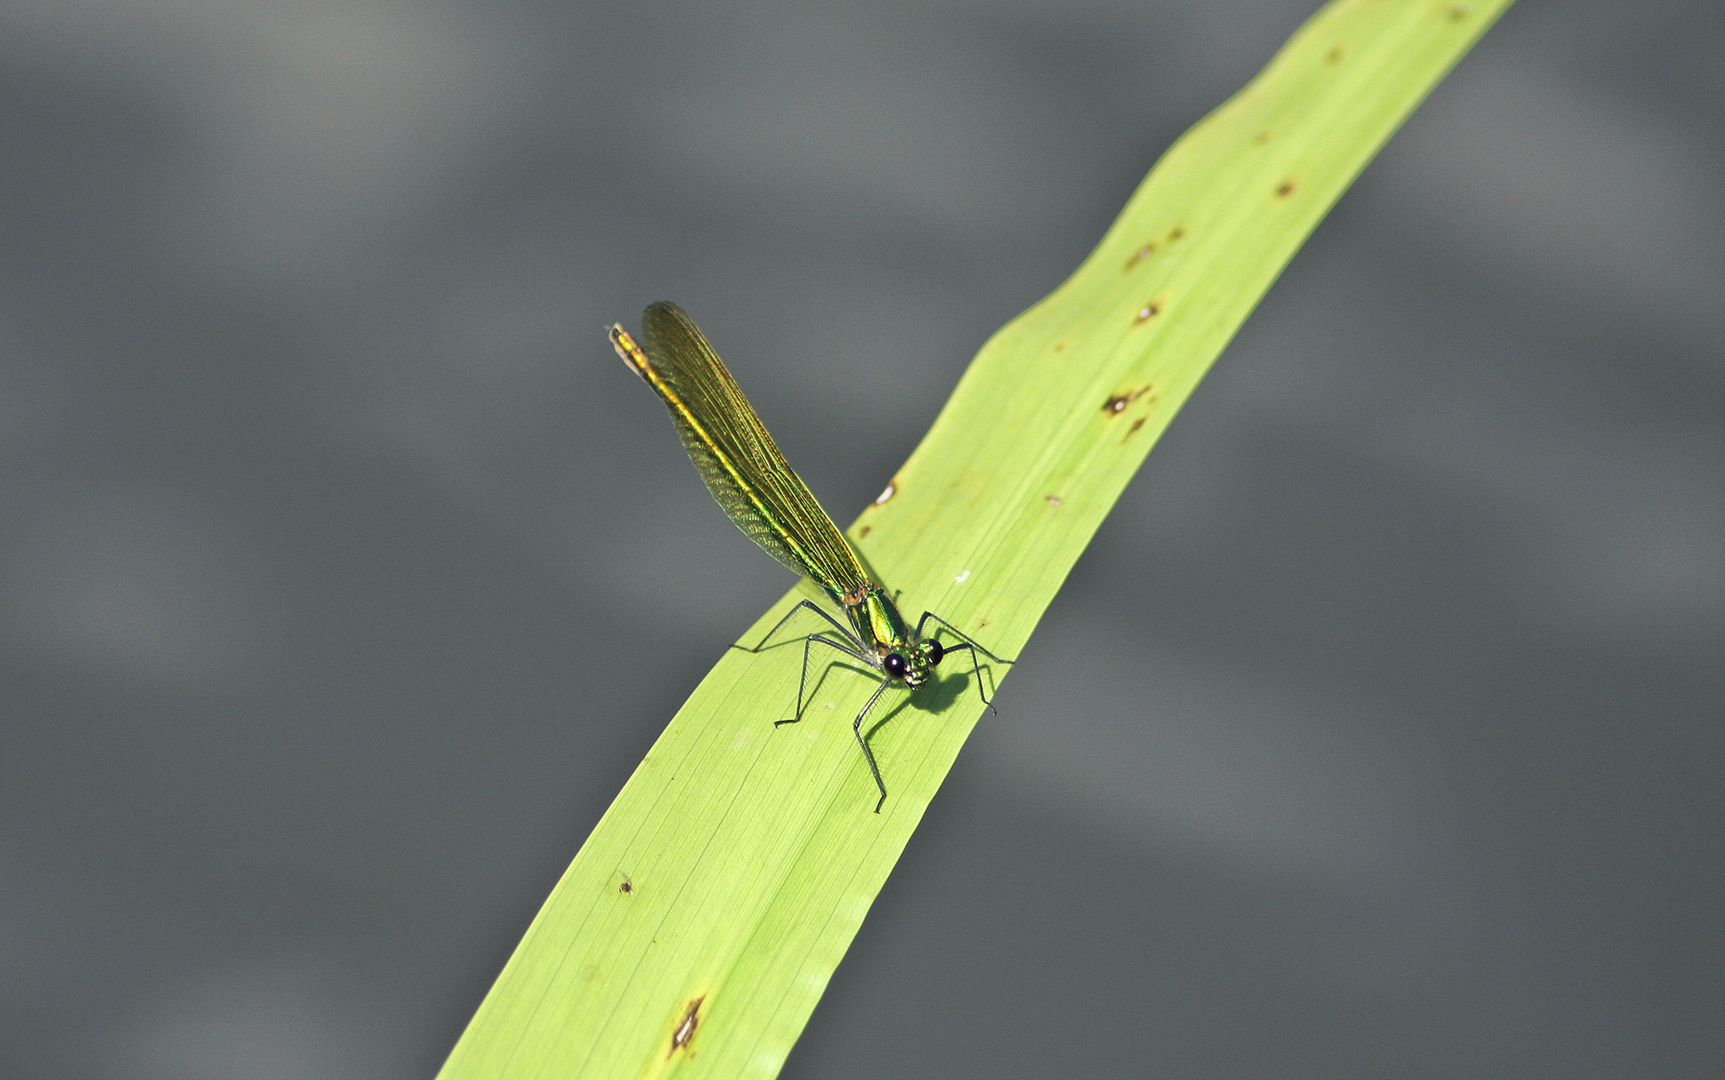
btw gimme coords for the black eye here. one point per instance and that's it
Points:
(895, 665)
(935, 652)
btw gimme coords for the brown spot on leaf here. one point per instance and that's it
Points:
(1334, 56)
(1116, 403)
(1140, 255)
(686, 1029)
(1053, 500)
(1150, 310)
(862, 532)
(1131, 431)
(1261, 138)
(1285, 188)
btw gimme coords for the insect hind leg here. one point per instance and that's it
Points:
(791, 614)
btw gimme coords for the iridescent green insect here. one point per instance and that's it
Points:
(770, 503)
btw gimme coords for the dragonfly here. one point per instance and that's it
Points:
(752, 482)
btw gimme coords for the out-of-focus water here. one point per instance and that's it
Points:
(1378, 734)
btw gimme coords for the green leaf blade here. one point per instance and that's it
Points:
(749, 849)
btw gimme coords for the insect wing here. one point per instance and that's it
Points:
(736, 456)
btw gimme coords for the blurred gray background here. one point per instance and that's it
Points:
(345, 574)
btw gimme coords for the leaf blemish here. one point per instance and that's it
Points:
(1285, 188)
(1334, 56)
(686, 1030)
(1053, 500)
(1116, 403)
(862, 532)
(1176, 233)
(1140, 255)
(1131, 431)
(1149, 311)
(891, 490)
(1261, 138)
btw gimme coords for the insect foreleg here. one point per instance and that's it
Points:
(969, 644)
(927, 615)
(868, 755)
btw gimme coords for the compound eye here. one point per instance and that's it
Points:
(935, 652)
(895, 665)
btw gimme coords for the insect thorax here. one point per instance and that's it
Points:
(878, 622)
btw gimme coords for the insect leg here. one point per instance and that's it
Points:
(868, 755)
(810, 604)
(803, 679)
(927, 615)
(975, 664)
